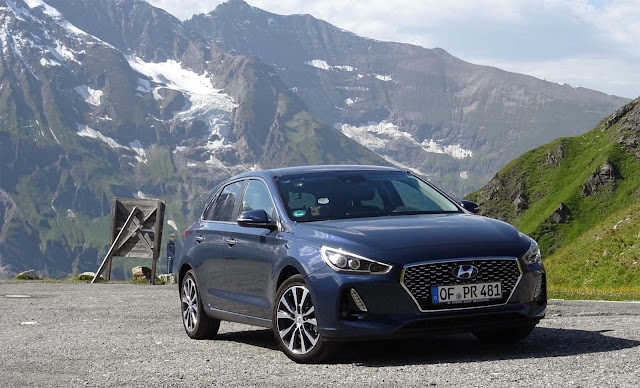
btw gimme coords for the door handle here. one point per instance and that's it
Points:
(200, 239)
(230, 240)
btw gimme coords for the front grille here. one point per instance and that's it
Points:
(419, 279)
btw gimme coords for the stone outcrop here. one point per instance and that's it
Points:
(617, 115)
(560, 215)
(28, 275)
(605, 175)
(630, 130)
(521, 203)
(557, 153)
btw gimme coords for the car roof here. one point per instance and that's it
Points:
(311, 169)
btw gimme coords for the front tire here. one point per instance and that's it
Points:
(197, 323)
(295, 326)
(505, 336)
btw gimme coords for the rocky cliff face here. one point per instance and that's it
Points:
(453, 121)
(559, 191)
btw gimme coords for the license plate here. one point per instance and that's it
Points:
(465, 293)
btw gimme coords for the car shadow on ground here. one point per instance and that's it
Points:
(543, 342)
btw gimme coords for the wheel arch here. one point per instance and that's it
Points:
(184, 268)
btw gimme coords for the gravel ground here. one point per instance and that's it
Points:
(76, 334)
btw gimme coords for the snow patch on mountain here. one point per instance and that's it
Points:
(319, 63)
(50, 11)
(464, 175)
(206, 103)
(137, 147)
(322, 64)
(378, 137)
(49, 62)
(63, 53)
(172, 224)
(90, 96)
(156, 95)
(85, 131)
(381, 77)
(54, 135)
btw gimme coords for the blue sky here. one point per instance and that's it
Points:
(589, 43)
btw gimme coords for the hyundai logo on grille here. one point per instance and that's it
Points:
(465, 271)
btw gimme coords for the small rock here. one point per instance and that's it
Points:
(170, 278)
(88, 276)
(606, 173)
(28, 275)
(141, 272)
(560, 215)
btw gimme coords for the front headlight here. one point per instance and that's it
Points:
(533, 254)
(346, 262)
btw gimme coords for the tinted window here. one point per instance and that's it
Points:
(222, 209)
(336, 195)
(257, 197)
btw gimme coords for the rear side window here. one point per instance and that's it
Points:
(222, 208)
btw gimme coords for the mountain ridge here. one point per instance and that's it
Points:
(454, 121)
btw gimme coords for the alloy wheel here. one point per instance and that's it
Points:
(296, 320)
(189, 304)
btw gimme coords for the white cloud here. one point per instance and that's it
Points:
(591, 43)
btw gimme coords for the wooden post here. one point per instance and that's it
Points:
(157, 240)
(114, 210)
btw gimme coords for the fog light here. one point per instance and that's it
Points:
(541, 289)
(357, 300)
(538, 286)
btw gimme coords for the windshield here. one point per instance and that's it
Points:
(349, 194)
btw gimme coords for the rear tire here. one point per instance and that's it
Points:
(295, 326)
(505, 336)
(197, 323)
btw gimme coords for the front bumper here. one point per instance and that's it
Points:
(392, 312)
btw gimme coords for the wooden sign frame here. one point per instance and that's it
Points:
(136, 231)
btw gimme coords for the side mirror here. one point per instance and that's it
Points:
(470, 206)
(255, 219)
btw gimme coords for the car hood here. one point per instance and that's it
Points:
(413, 233)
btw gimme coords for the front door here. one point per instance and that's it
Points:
(250, 256)
(211, 239)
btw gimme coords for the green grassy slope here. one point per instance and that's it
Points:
(583, 250)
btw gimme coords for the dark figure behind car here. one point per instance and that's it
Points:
(171, 252)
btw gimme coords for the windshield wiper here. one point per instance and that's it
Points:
(412, 213)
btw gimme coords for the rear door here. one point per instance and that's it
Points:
(251, 256)
(211, 239)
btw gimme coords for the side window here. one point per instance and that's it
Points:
(222, 209)
(257, 197)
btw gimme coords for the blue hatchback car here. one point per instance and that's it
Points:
(328, 254)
